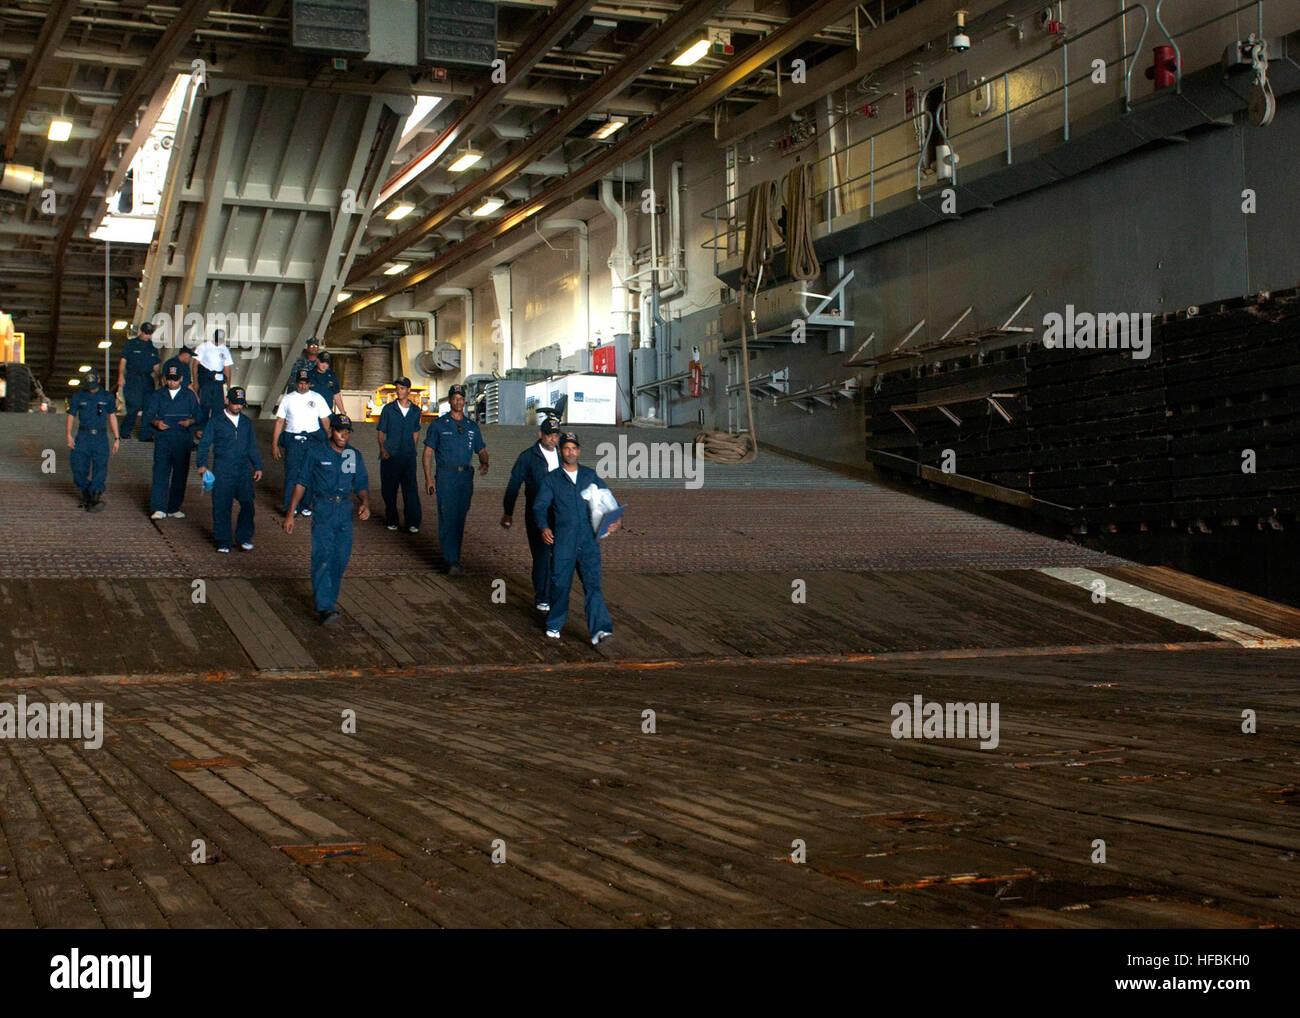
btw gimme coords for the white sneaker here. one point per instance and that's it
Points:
(552, 634)
(224, 551)
(412, 530)
(178, 515)
(159, 515)
(603, 634)
(247, 546)
(393, 527)
(306, 512)
(542, 607)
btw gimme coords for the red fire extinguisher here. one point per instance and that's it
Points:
(697, 378)
(1163, 72)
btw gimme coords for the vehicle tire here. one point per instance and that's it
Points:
(18, 388)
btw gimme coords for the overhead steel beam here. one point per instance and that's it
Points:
(661, 40)
(143, 84)
(52, 31)
(566, 14)
(676, 116)
(883, 45)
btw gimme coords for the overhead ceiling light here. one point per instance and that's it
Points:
(489, 206)
(608, 128)
(400, 212)
(396, 267)
(84, 368)
(692, 53)
(343, 295)
(74, 381)
(60, 130)
(104, 344)
(465, 160)
(120, 324)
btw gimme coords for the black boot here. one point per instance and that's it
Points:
(84, 497)
(96, 504)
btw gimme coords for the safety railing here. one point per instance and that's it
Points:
(838, 197)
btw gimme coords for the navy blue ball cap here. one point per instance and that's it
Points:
(236, 395)
(402, 381)
(146, 328)
(173, 371)
(303, 375)
(313, 341)
(340, 422)
(569, 438)
(456, 390)
(547, 427)
(92, 379)
(184, 349)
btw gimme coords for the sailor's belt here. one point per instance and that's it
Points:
(455, 468)
(332, 498)
(91, 431)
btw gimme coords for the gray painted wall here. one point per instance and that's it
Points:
(1156, 231)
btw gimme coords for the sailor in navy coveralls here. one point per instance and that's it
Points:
(564, 518)
(452, 440)
(530, 469)
(333, 472)
(95, 412)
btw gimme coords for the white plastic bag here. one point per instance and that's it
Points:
(599, 502)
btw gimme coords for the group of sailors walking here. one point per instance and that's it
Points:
(324, 473)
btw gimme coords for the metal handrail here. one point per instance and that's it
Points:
(723, 216)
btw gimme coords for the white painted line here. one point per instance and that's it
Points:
(1175, 611)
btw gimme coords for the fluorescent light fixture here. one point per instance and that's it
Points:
(74, 381)
(424, 105)
(608, 128)
(489, 206)
(343, 295)
(400, 212)
(104, 344)
(396, 268)
(84, 368)
(689, 56)
(465, 160)
(120, 324)
(60, 130)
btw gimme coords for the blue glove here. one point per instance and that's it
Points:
(209, 481)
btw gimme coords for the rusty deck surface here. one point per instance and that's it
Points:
(771, 631)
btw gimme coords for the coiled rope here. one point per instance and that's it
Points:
(762, 233)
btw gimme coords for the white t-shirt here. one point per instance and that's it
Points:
(214, 358)
(302, 411)
(233, 418)
(173, 393)
(405, 409)
(571, 475)
(552, 457)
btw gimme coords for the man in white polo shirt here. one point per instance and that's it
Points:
(211, 378)
(303, 421)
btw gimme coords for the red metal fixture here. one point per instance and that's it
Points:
(1165, 69)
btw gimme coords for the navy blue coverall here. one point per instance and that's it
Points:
(331, 478)
(400, 431)
(530, 471)
(560, 506)
(453, 443)
(141, 358)
(234, 452)
(90, 448)
(325, 384)
(173, 446)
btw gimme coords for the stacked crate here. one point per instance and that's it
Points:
(1112, 439)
